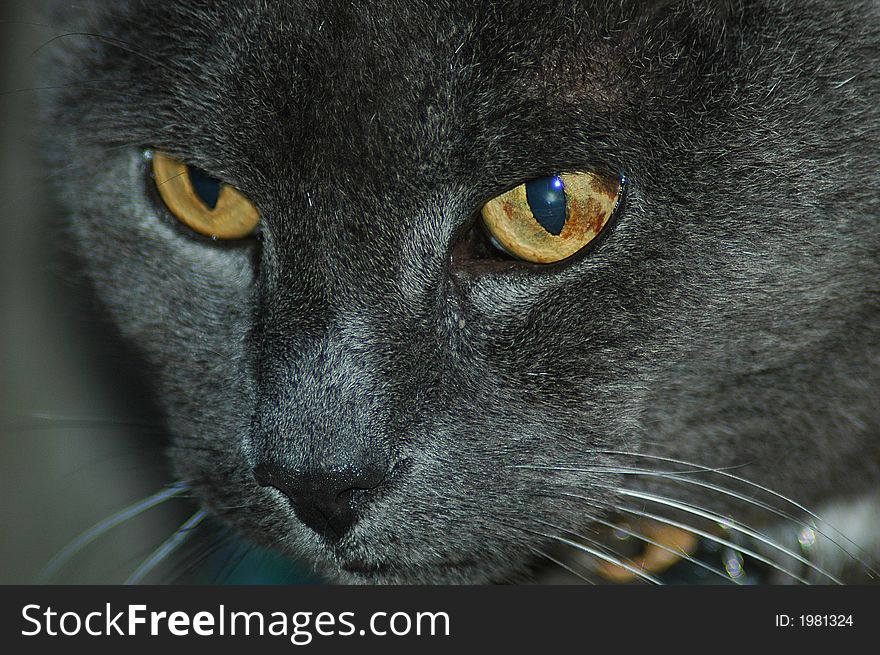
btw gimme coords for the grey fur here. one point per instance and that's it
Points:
(731, 318)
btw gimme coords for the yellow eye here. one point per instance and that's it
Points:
(203, 203)
(551, 218)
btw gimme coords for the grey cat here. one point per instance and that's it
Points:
(372, 380)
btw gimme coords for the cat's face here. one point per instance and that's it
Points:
(444, 409)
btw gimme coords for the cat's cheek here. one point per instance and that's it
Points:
(184, 303)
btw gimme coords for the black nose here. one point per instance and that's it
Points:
(323, 500)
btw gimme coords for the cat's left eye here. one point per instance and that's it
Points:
(203, 203)
(552, 218)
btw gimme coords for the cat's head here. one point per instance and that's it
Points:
(370, 380)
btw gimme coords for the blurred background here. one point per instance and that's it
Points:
(77, 444)
(68, 457)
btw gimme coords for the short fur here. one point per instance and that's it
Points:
(730, 319)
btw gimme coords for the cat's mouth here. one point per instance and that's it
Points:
(363, 567)
(358, 569)
(363, 572)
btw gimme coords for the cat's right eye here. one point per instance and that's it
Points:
(202, 203)
(549, 219)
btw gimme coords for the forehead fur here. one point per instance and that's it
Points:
(442, 81)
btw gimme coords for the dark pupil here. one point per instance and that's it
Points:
(546, 197)
(206, 187)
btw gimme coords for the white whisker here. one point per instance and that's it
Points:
(595, 553)
(673, 551)
(56, 563)
(726, 522)
(166, 548)
(711, 537)
(723, 471)
(562, 565)
(746, 499)
(749, 483)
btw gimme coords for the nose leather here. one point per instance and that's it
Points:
(322, 499)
